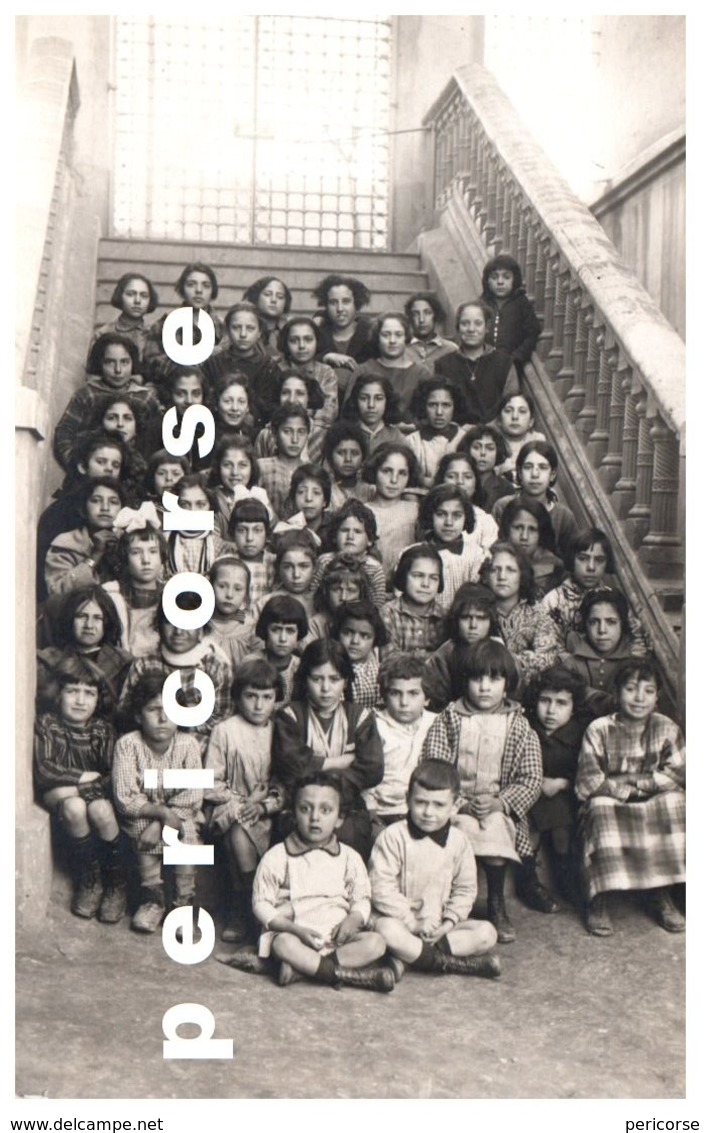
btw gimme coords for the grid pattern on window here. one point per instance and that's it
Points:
(253, 129)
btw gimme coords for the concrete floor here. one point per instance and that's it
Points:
(572, 1017)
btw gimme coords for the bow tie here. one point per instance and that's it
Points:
(455, 548)
(438, 836)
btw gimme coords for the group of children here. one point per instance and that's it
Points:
(419, 661)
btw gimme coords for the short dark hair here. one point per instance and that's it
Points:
(435, 775)
(442, 494)
(316, 398)
(502, 262)
(196, 480)
(143, 536)
(253, 291)
(400, 667)
(295, 539)
(162, 456)
(310, 472)
(382, 453)
(73, 603)
(614, 598)
(377, 324)
(360, 293)
(363, 610)
(85, 490)
(408, 557)
(555, 679)
(87, 444)
(543, 448)
(352, 509)
(439, 312)
(287, 328)
(429, 386)
(97, 350)
(488, 658)
(449, 458)
(338, 568)
(73, 668)
(205, 270)
(248, 511)
(472, 595)
(147, 687)
(477, 433)
(282, 609)
(330, 779)
(123, 283)
(320, 652)
(527, 584)
(392, 407)
(283, 413)
(257, 673)
(637, 668)
(535, 508)
(518, 393)
(344, 431)
(229, 441)
(250, 309)
(587, 539)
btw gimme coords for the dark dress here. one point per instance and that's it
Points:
(560, 756)
(481, 382)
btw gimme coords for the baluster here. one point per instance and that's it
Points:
(491, 197)
(586, 420)
(565, 378)
(477, 201)
(611, 463)
(484, 209)
(623, 496)
(544, 290)
(558, 285)
(455, 148)
(529, 265)
(638, 522)
(506, 218)
(518, 233)
(597, 446)
(661, 551)
(574, 400)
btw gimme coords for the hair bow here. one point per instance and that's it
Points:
(129, 520)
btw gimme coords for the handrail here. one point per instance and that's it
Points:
(609, 372)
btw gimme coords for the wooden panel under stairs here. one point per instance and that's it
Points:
(391, 278)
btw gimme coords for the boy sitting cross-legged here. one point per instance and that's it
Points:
(423, 878)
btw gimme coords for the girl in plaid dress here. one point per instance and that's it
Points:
(500, 763)
(630, 783)
(343, 581)
(416, 619)
(360, 629)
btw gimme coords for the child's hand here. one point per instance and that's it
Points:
(310, 937)
(88, 776)
(347, 929)
(427, 926)
(482, 805)
(551, 787)
(343, 360)
(250, 812)
(437, 934)
(259, 793)
(100, 541)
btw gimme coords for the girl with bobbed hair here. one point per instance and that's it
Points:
(135, 297)
(343, 337)
(273, 300)
(426, 315)
(389, 336)
(196, 286)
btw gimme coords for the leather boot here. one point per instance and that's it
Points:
(485, 966)
(113, 903)
(598, 922)
(496, 910)
(667, 913)
(531, 891)
(88, 887)
(369, 979)
(149, 914)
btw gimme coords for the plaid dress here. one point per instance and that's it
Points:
(411, 631)
(632, 817)
(132, 757)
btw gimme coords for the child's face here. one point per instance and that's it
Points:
(154, 723)
(638, 699)
(351, 537)
(347, 588)
(294, 392)
(250, 539)
(471, 327)
(448, 521)
(179, 640)
(431, 810)
(392, 339)
(231, 590)
(371, 404)
(439, 409)
(504, 576)
(392, 476)
(357, 638)
(462, 476)
(187, 391)
(536, 475)
(291, 437)
(604, 628)
(590, 566)
(119, 418)
(302, 343)
(102, 507)
(317, 814)
(135, 299)
(234, 468)
(405, 699)
(88, 626)
(555, 707)
(272, 300)
(341, 309)
(310, 499)
(257, 705)
(484, 453)
(326, 688)
(167, 475)
(524, 532)
(103, 461)
(501, 281)
(347, 458)
(423, 319)
(233, 405)
(486, 692)
(473, 625)
(117, 366)
(144, 560)
(77, 703)
(422, 581)
(296, 571)
(516, 417)
(281, 639)
(244, 332)
(197, 289)
(193, 498)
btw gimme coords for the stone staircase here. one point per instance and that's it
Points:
(390, 278)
